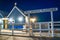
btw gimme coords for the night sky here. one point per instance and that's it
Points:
(7, 5)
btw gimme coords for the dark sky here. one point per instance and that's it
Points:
(7, 5)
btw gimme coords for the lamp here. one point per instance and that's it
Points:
(20, 19)
(32, 20)
(11, 20)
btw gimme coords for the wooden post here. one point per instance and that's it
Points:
(5, 23)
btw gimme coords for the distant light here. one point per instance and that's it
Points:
(11, 19)
(1, 21)
(15, 4)
(32, 20)
(20, 19)
(26, 18)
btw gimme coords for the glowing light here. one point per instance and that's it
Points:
(15, 4)
(1, 21)
(20, 19)
(11, 19)
(32, 20)
(26, 18)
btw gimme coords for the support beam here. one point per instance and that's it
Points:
(41, 10)
(29, 22)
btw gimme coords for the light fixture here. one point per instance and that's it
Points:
(20, 19)
(11, 19)
(32, 20)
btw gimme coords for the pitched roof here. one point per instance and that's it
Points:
(1, 16)
(15, 7)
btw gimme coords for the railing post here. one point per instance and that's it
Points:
(40, 28)
(52, 24)
(29, 22)
(48, 29)
(12, 28)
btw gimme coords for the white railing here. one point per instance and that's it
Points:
(35, 31)
(56, 23)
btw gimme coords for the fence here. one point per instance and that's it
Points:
(39, 29)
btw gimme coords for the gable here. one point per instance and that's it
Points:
(17, 16)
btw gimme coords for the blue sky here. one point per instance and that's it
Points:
(7, 5)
